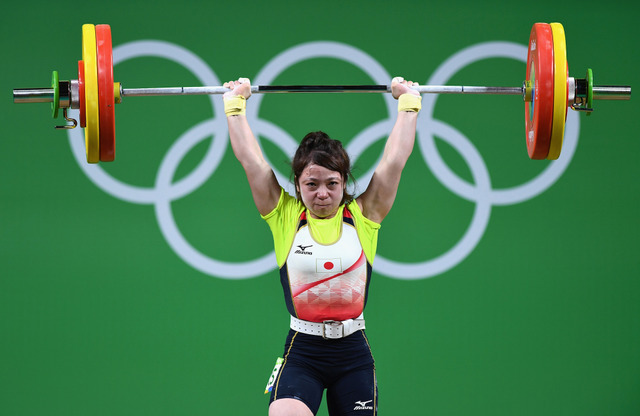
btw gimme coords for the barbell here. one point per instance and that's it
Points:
(547, 91)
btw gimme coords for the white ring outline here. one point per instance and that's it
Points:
(165, 191)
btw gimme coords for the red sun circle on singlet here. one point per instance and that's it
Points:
(328, 265)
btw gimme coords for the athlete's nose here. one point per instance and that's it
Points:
(323, 193)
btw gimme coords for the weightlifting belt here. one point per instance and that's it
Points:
(328, 329)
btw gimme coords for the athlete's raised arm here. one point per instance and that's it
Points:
(264, 186)
(377, 199)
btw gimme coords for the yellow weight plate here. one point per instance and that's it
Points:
(559, 90)
(117, 97)
(89, 57)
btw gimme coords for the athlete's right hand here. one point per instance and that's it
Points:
(240, 87)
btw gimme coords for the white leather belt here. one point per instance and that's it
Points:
(328, 329)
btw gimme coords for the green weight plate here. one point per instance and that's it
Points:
(589, 90)
(55, 84)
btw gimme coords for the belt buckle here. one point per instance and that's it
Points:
(332, 324)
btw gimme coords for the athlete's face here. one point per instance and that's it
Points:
(321, 190)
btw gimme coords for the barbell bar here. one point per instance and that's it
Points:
(548, 92)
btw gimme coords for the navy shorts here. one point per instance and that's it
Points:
(344, 367)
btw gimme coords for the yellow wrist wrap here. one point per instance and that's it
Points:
(236, 105)
(409, 102)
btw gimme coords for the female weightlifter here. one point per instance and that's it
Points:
(325, 242)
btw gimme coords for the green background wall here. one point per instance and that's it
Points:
(99, 315)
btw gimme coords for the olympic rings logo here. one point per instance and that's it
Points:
(480, 191)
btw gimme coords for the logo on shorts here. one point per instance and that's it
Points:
(363, 405)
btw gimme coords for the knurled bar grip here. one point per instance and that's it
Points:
(257, 89)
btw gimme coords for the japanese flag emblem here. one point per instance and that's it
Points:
(329, 265)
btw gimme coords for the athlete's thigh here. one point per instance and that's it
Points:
(289, 407)
(297, 381)
(356, 393)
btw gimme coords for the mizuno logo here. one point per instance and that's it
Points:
(303, 250)
(363, 405)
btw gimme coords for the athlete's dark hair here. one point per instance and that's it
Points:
(319, 149)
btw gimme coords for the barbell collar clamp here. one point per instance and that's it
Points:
(64, 100)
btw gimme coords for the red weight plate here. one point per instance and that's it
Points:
(539, 112)
(105, 94)
(83, 111)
